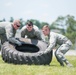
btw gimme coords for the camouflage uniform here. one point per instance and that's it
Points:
(34, 34)
(7, 32)
(65, 44)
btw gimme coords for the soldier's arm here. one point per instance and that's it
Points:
(23, 31)
(9, 32)
(23, 34)
(15, 41)
(38, 35)
(52, 43)
(10, 36)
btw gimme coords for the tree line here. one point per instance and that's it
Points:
(65, 25)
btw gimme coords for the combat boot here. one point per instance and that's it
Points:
(68, 64)
(61, 63)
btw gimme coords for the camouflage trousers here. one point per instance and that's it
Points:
(59, 53)
(3, 35)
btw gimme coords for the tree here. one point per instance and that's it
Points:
(22, 23)
(52, 26)
(71, 22)
(59, 24)
(11, 19)
(44, 23)
(4, 20)
(71, 29)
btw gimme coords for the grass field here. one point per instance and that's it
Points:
(53, 69)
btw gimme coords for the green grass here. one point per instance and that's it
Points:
(53, 69)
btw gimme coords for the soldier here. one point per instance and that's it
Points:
(8, 30)
(30, 31)
(54, 39)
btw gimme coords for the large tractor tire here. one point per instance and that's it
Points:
(30, 52)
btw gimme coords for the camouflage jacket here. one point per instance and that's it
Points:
(34, 34)
(55, 38)
(10, 31)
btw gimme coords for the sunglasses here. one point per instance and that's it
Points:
(17, 25)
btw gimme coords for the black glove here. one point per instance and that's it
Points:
(15, 41)
(18, 43)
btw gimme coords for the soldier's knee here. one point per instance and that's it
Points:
(69, 43)
(57, 52)
(58, 55)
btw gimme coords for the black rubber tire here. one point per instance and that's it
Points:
(31, 52)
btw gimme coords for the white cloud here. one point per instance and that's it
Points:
(45, 15)
(8, 4)
(44, 5)
(28, 12)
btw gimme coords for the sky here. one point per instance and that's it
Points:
(42, 10)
